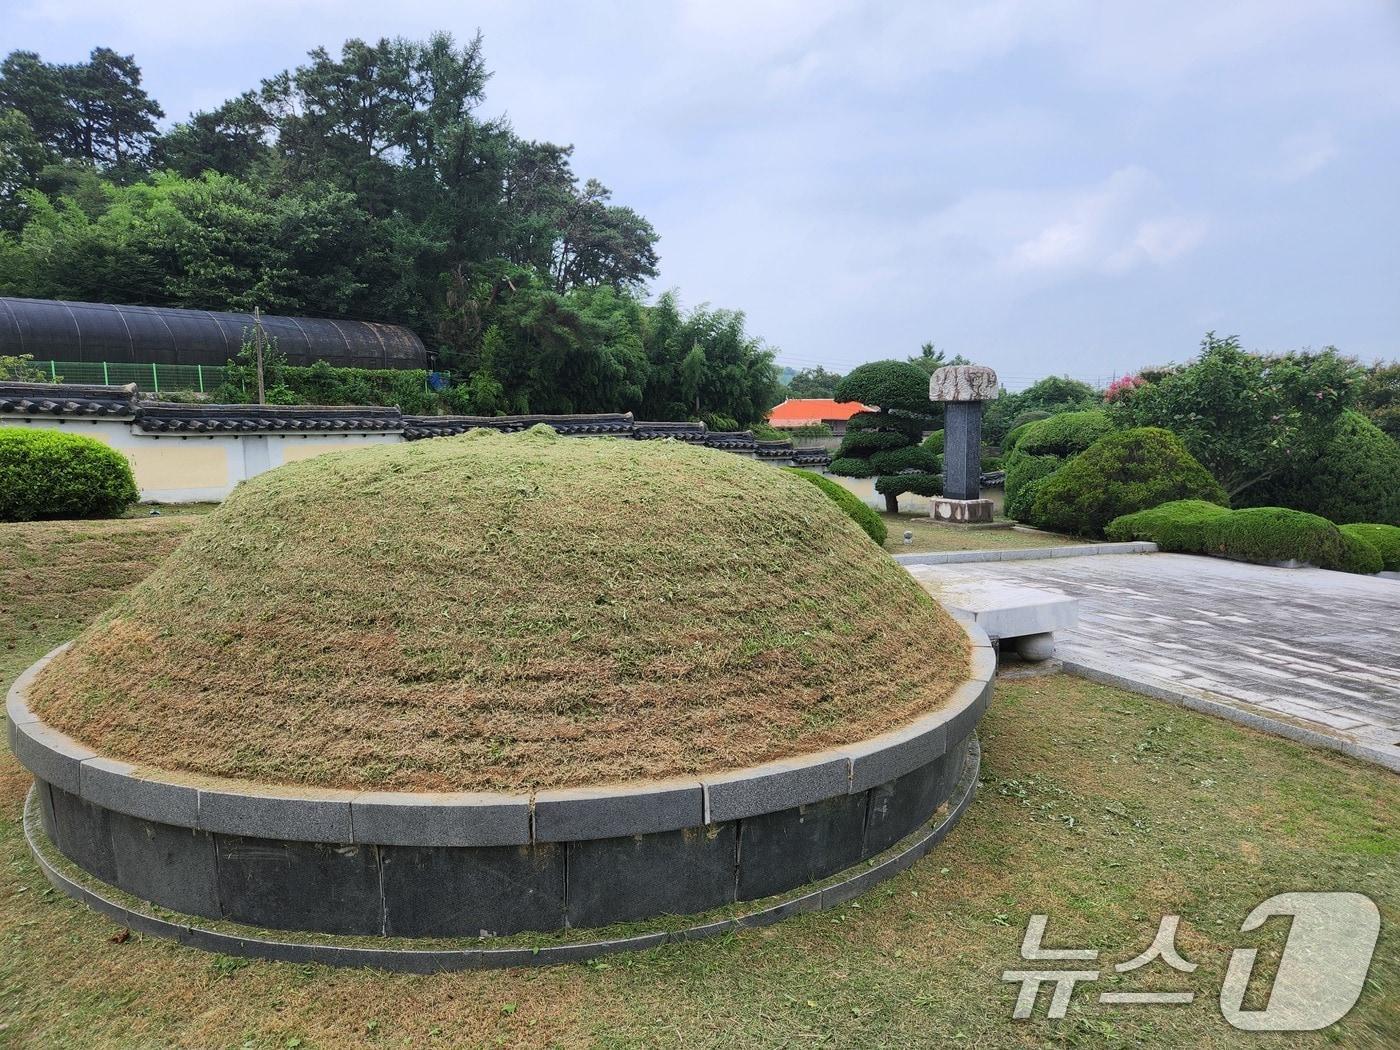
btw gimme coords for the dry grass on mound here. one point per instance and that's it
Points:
(499, 612)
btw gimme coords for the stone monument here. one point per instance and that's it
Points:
(962, 388)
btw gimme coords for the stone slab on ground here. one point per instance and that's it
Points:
(1286, 649)
(1002, 609)
(1078, 550)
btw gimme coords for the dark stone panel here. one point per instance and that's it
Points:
(299, 885)
(46, 810)
(953, 769)
(83, 833)
(670, 872)
(437, 891)
(900, 806)
(170, 866)
(778, 851)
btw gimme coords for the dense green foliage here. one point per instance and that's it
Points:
(1247, 417)
(1064, 434)
(886, 442)
(813, 382)
(19, 368)
(1385, 538)
(52, 474)
(1355, 478)
(1024, 476)
(1042, 446)
(1051, 395)
(918, 482)
(1360, 555)
(1378, 396)
(365, 185)
(1120, 473)
(849, 502)
(1176, 526)
(322, 384)
(1273, 534)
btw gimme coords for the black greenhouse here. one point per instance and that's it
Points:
(95, 332)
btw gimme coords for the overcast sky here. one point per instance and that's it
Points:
(1046, 187)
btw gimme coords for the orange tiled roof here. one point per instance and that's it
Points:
(808, 411)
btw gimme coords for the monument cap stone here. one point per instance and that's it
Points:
(958, 383)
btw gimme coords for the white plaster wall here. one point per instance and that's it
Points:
(178, 468)
(908, 502)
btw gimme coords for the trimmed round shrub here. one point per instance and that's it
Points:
(908, 459)
(1120, 473)
(1271, 534)
(1014, 436)
(890, 385)
(1020, 419)
(1024, 476)
(1065, 434)
(850, 467)
(1356, 479)
(1175, 526)
(1035, 450)
(864, 442)
(848, 501)
(934, 443)
(917, 483)
(1360, 556)
(53, 474)
(900, 391)
(1385, 538)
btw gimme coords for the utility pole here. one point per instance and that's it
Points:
(258, 350)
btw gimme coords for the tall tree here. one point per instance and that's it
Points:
(813, 382)
(230, 139)
(884, 442)
(94, 111)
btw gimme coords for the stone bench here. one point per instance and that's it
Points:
(1026, 617)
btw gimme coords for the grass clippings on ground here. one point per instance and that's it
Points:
(1101, 809)
(504, 613)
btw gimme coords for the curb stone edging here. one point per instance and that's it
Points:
(339, 816)
(424, 961)
(1083, 550)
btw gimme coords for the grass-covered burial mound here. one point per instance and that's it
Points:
(507, 612)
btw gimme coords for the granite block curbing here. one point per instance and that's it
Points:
(572, 814)
(404, 818)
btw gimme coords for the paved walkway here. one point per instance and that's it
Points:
(1307, 648)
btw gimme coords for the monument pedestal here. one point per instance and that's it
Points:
(960, 511)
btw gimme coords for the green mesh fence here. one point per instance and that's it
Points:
(154, 379)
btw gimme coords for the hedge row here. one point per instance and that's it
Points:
(1263, 535)
(848, 501)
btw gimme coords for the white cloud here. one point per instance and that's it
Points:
(1304, 155)
(1115, 226)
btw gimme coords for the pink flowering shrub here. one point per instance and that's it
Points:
(1124, 385)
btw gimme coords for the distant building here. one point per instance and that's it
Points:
(812, 411)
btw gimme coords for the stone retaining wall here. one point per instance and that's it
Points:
(443, 865)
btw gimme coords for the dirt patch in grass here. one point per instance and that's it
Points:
(507, 612)
(929, 537)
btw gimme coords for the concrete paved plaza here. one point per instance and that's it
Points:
(1302, 647)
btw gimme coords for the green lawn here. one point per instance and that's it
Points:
(930, 536)
(1100, 808)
